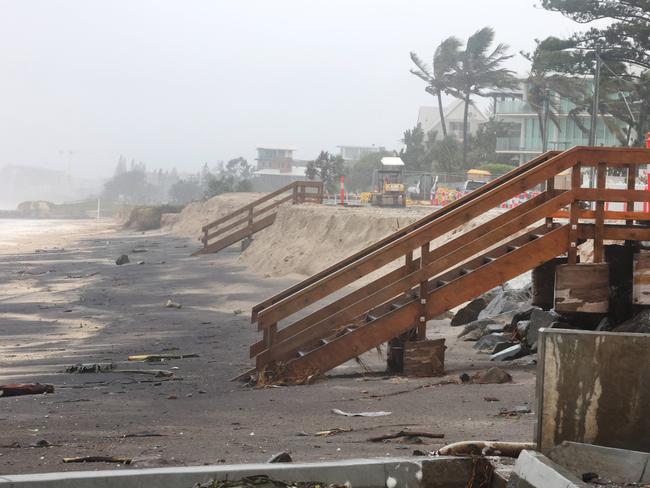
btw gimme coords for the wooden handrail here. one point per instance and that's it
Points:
(455, 253)
(392, 304)
(297, 194)
(403, 231)
(513, 184)
(502, 189)
(265, 198)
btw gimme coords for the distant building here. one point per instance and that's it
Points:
(524, 140)
(355, 153)
(269, 157)
(273, 179)
(429, 119)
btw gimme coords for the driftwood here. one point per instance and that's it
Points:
(404, 433)
(485, 448)
(18, 389)
(98, 459)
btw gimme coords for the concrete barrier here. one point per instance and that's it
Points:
(440, 472)
(593, 388)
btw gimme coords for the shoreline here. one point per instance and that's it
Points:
(26, 235)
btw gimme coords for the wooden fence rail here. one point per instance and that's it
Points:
(243, 223)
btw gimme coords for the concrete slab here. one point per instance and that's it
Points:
(593, 388)
(618, 465)
(534, 470)
(447, 472)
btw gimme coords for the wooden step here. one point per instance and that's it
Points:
(462, 289)
(488, 259)
(512, 248)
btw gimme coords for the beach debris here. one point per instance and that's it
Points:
(90, 368)
(239, 311)
(160, 357)
(494, 376)
(36, 271)
(97, 459)
(139, 249)
(123, 259)
(113, 368)
(40, 443)
(19, 389)
(515, 412)
(360, 414)
(490, 399)
(280, 457)
(76, 275)
(512, 352)
(485, 448)
(331, 432)
(406, 434)
(142, 434)
(140, 262)
(172, 304)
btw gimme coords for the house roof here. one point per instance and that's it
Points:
(295, 171)
(392, 161)
(430, 116)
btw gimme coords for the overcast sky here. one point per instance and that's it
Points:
(179, 83)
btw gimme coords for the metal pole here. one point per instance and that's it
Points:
(594, 107)
(546, 111)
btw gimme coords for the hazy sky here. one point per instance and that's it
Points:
(179, 83)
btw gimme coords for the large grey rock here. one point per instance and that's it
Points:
(523, 313)
(640, 323)
(493, 376)
(487, 343)
(539, 319)
(123, 259)
(475, 330)
(512, 352)
(505, 300)
(469, 313)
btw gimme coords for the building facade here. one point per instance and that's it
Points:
(429, 119)
(524, 139)
(355, 153)
(275, 158)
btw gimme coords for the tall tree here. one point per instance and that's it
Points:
(480, 68)
(625, 37)
(328, 168)
(439, 75)
(416, 153)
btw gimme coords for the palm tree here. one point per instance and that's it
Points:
(479, 70)
(438, 76)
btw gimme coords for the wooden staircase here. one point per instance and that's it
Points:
(243, 223)
(432, 280)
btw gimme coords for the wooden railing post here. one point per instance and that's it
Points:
(425, 258)
(631, 185)
(600, 213)
(295, 193)
(572, 255)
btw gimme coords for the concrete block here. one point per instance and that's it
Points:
(618, 465)
(360, 473)
(593, 388)
(534, 470)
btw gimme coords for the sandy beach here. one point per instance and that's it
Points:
(74, 305)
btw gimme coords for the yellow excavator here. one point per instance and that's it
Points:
(388, 188)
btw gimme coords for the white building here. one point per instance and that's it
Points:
(355, 153)
(429, 119)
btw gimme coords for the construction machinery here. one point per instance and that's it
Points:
(388, 184)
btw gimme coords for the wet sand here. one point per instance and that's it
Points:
(76, 306)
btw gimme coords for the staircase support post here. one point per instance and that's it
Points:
(599, 230)
(573, 215)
